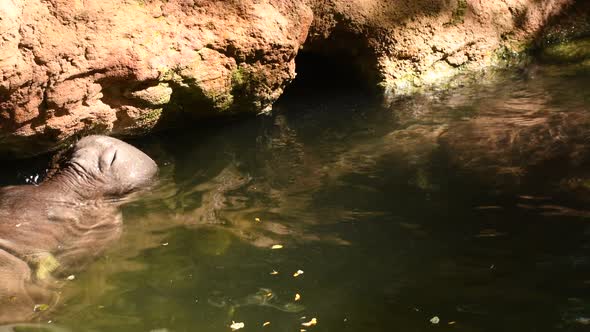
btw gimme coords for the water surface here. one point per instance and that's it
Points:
(469, 205)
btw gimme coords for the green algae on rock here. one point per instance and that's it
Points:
(573, 51)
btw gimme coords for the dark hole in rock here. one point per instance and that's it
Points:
(322, 73)
(340, 64)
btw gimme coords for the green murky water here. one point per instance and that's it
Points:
(469, 205)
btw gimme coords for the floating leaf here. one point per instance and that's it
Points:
(297, 297)
(298, 273)
(276, 246)
(312, 322)
(46, 263)
(40, 307)
(236, 326)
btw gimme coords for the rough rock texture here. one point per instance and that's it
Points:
(71, 67)
(566, 39)
(425, 42)
(573, 23)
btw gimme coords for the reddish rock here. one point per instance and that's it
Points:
(413, 44)
(72, 67)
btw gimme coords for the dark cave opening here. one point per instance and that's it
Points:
(342, 64)
(323, 73)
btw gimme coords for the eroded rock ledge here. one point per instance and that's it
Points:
(71, 67)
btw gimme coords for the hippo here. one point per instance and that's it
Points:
(52, 229)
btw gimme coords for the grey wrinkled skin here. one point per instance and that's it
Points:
(50, 230)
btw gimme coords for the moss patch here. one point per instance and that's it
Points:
(239, 76)
(242, 80)
(150, 119)
(458, 15)
(567, 52)
(153, 96)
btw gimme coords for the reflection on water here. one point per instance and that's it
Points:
(469, 205)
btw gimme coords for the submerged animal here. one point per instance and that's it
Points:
(50, 230)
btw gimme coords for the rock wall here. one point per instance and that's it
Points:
(419, 43)
(72, 67)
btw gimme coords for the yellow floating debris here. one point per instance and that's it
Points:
(298, 273)
(257, 219)
(269, 294)
(276, 246)
(71, 277)
(265, 324)
(236, 326)
(452, 322)
(46, 263)
(40, 307)
(274, 272)
(297, 297)
(312, 322)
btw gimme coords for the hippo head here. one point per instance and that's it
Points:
(104, 166)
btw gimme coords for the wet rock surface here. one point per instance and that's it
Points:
(69, 68)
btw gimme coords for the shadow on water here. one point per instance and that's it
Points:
(468, 205)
